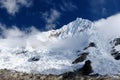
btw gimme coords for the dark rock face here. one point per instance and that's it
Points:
(33, 59)
(84, 71)
(114, 52)
(91, 44)
(116, 55)
(55, 34)
(87, 68)
(82, 57)
(116, 41)
(68, 75)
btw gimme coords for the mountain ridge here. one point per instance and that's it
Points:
(54, 51)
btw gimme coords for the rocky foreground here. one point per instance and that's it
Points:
(13, 75)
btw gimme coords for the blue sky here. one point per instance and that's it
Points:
(53, 14)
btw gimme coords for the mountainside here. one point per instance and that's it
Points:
(59, 51)
(13, 75)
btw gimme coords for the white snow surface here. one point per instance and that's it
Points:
(57, 49)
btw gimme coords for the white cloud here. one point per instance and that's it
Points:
(11, 32)
(15, 37)
(13, 6)
(110, 26)
(68, 6)
(51, 18)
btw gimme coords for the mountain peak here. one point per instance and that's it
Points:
(72, 28)
(54, 51)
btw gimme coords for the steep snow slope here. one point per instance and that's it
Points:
(54, 51)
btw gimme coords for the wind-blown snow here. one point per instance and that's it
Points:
(55, 50)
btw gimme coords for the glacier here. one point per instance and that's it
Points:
(52, 52)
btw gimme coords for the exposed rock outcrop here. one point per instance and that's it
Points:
(34, 59)
(13, 75)
(91, 44)
(115, 53)
(87, 68)
(81, 58)
(116, 41)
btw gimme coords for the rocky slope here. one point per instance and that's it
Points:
(13, 75)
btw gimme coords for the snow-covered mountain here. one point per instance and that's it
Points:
(54, 51)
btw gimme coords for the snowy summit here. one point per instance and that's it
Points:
(54, 51)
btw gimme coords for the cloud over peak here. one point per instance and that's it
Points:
(68, 6)
(13, 6)
(51, 18)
